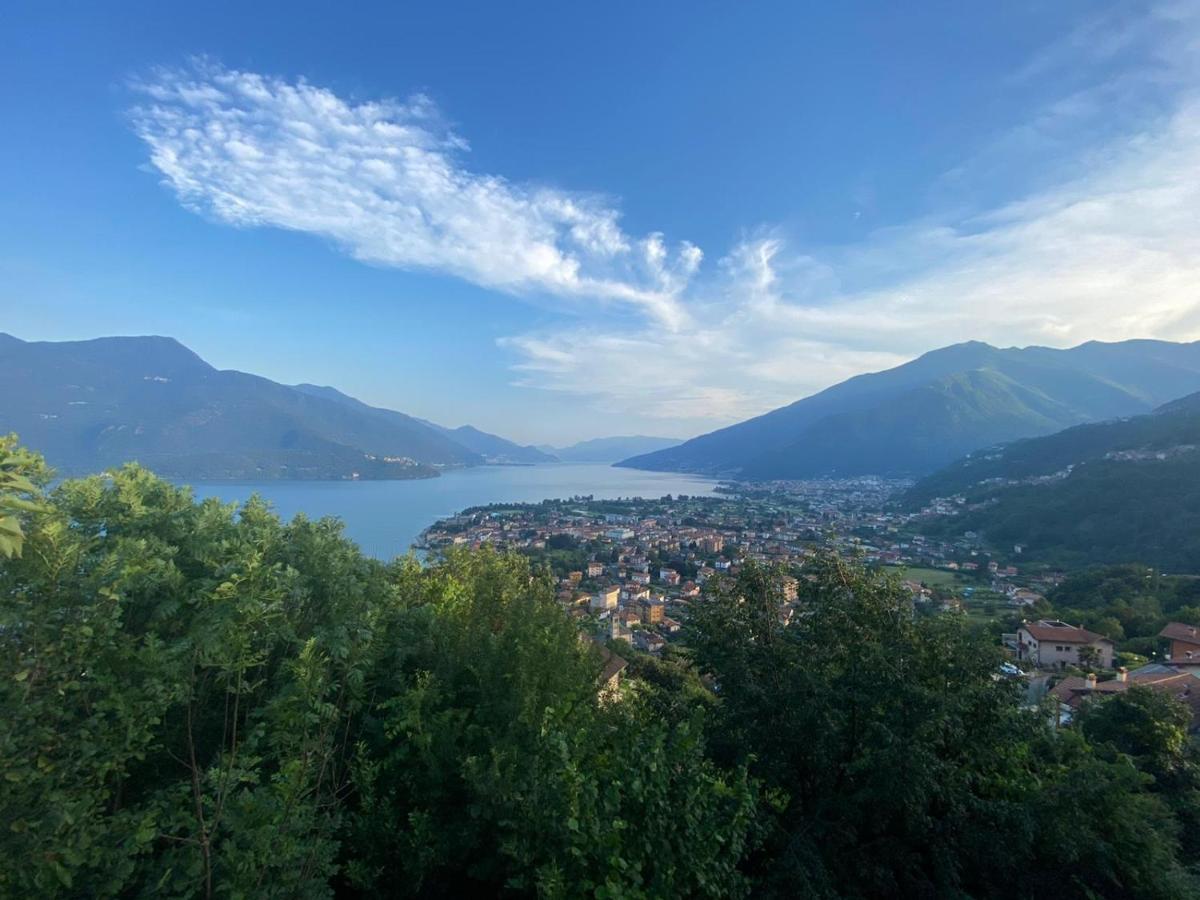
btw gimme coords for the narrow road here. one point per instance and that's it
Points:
(1037, 689)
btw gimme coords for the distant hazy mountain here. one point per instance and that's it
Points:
(920, 416)
(1121, 491)
(611, 449)
(91, 404)
(496, 449)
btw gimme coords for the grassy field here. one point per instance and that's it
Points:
(980, 603)
(985, 606)
(933, 578)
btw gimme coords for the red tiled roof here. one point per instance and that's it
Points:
(1071, 687)
(1067, 634)
(1177, 631)
(613, 665)
(1183, 687)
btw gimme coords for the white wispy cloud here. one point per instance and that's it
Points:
(1110, 255)
(1105, 245)
(1107, 249)
(386, 180)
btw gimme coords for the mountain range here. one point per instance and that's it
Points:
(922, 415)
(92, 404)
(1110, 492)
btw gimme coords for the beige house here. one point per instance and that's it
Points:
(608, 682)
(606, 598)
(653, 611)
(1050, 644)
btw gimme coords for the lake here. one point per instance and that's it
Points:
(385, 517)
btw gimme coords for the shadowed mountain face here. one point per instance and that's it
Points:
(91, 404)
(489, 448)
(914, 418)
(1107, 492)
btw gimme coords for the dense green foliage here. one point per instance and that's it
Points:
(200, 700)
(1105, 512)
(1173, 425)
(19, 469)
(1150, 728)
(897, 764)
(1103, 497)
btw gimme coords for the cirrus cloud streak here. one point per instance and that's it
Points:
(386, 181)
(1106, 247)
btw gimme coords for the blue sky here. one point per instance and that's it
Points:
(559, 221)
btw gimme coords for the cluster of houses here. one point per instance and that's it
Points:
(1051, 645)
(624, 593)
(631, 602)
(781, 524)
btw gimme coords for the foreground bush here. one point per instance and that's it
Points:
(200, 700)
(203, 701)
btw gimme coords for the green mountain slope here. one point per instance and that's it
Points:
(919, 416)
(92, 404)
(1122, 491)
(927, 426)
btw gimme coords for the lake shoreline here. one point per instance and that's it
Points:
(386, 517)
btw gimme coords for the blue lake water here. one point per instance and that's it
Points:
(385, 517)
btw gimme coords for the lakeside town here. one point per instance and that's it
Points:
(629, 570)
(664, 550)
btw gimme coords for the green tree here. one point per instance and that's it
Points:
(897, 763)
(1089, 657)
(176, 680)
(1150, 726)
(200, 700)
(491, 766)
(21, 474)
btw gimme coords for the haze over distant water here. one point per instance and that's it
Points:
(385, 517)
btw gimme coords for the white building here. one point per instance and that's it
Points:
(1050, 644)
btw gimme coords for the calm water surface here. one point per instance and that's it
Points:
(385, 517)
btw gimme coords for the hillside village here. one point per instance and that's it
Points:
(662, 551)
(630, 569)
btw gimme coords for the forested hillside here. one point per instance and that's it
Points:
(91, 404)
(1114, 492)
(198, 700)
(489, 447)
